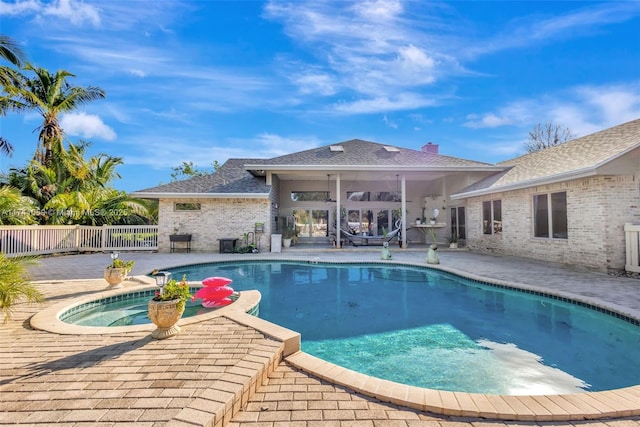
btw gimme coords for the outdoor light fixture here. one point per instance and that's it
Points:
(162, 277)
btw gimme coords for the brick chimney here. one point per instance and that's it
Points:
(430, 148)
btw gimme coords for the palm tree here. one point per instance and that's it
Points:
(10, 51)
(15, 209)
(50, 95)
(76, 191)
(97, 206)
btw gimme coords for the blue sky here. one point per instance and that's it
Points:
(210, 80)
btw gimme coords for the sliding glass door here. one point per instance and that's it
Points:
(311, 223)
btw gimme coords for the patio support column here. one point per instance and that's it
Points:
(338, 219)
(403, 190)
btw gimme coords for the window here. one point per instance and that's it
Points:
(309, 196)
(492, 217)
(368, 196)
(187, 206)
(550, 215)
(458, 227)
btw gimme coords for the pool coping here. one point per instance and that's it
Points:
(618, 403)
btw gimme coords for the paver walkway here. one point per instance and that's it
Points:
(116, 380)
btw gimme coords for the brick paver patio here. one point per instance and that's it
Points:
(218, 372)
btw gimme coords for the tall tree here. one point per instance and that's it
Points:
(9, 51)
(189, 170)
(50, 95)
(547, 135)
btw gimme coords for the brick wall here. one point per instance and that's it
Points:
(597, 209)
(217, 218)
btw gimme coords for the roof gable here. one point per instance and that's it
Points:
(579, 157)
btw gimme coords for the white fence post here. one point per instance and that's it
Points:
(632, 240)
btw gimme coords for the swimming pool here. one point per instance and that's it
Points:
(432, 329)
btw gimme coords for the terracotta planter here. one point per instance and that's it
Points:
(115, 276)
(165, 315)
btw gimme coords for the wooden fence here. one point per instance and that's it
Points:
(49, 239)
(632, 239)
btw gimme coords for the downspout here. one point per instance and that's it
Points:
(338, 211)
(403, 189)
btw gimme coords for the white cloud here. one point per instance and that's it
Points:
(488, 120)
(138, 73)
(19, 7)
(86, 126)
(403, 101)
(271, 145)
(171, 151)
(583, 109)
(76, 12)
(371, 48)
(389, 123)
(533, 30)
(379, 9)
(315, 83)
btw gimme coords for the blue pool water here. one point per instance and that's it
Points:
(123, 310)
(425, 328)
(432, 329)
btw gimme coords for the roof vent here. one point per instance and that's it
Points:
(391, 149)
(336, 148)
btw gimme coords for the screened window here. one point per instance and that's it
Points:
(550, 215)
(492, 217)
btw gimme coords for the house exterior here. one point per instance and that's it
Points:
(567, 203)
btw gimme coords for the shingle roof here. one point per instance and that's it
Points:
(365, 153)
(231, 177)
(560, 162)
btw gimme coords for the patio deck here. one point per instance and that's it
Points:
(227, 371)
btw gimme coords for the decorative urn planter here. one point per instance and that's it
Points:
(117, 271)
(115, 276)
(165, 315)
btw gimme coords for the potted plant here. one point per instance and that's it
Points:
(434, 216)
(117, 271)
(453, 241)
(288, 236)
(166, 308)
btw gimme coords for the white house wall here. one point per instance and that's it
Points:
(217, 218)
(597, 209)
